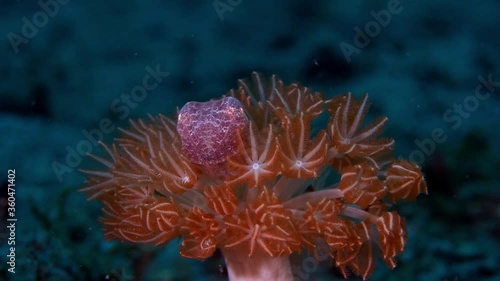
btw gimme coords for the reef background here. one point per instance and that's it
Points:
(74, 64)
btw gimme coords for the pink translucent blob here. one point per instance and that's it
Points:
(209, 129)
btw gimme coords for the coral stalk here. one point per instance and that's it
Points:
(240, 267)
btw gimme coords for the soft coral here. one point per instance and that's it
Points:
(250, 203)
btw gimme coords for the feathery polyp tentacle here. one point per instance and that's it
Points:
(302, 157)
(348, 140)
(257, 160)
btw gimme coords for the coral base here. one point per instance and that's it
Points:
(240, 267)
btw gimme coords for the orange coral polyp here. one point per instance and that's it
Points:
(257, 160)
(251, 204)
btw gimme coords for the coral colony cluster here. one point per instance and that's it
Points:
(244, 174)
